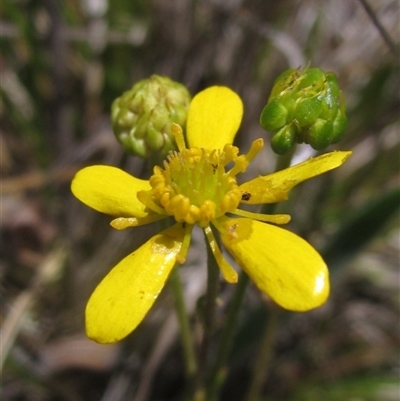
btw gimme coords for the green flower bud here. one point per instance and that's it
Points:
(307, 104)
(143, 115)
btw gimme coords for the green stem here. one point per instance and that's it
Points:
(284, 161)
(265, 353)
(218, 370)
(209, 322)
(184, 325)
(210, 303)
(189, 353)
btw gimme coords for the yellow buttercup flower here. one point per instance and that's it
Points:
(198, 185)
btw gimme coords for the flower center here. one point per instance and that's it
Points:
(194, 187)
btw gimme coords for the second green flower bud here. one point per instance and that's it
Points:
(305, 106)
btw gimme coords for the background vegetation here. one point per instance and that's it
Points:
(63, 63)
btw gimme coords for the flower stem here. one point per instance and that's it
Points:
(261, 367)
(184, 325)
(284, 161)
(208, 322)
(217, 371)
(210, 302)
(189, 353)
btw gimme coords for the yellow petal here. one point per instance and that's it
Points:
(281, 264)
(275, 187)
(123, 298)
(110, 190)
(214, 118)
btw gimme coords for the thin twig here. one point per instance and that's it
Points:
(37, 179)
(385, 35)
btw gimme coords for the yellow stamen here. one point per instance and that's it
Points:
(193, 186)
(229, 273)
(120, 223)
(145, 198)
(178, 135)
(255, 148)
(242, 162)
(268, 218)
(181, 257)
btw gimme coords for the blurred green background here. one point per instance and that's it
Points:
(63, 63)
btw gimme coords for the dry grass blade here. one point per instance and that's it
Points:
(14, 320)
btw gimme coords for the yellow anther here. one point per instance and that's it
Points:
(156, 180)
(192, 154)
(178, 135)
(207, 211)
(242, 161)
(240, 166)
(255, 148)
(182, 209)
(230, 153)
(146, 198)
(193, 214)
(165, 198)
(230, 201)
(173, 204)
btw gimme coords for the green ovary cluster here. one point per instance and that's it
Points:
(142, 116)
(194, 186)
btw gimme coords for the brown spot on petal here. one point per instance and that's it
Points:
(246, 196)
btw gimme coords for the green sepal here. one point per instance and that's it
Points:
(273, 116)
(308, 110)
(284, 139)
(320, 134)
(339, 125)
(283, 82)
